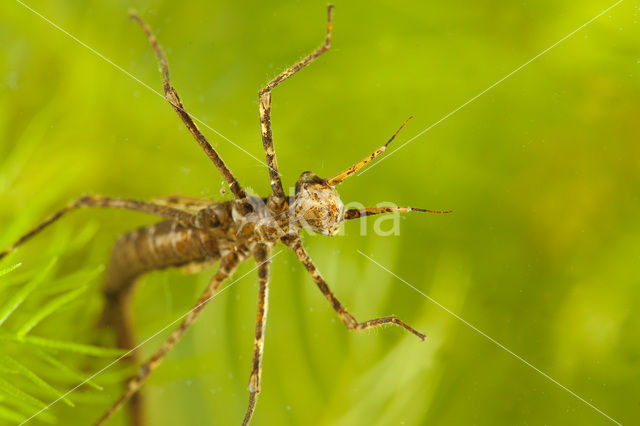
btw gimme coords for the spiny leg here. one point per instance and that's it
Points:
(295, 243)
(359, 165)
(228, 265)
(100, 201)
(261, 255)
(279, 199)
(358, 213)
(171, 95)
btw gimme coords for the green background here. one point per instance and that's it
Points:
(542, 172)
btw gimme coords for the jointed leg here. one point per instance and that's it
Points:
(295, 244)
(305, 61)
(99, 201)
(171, 95)
(359, 165)
(358, 213)
(261, 256)
(265, 115)
(228, 265)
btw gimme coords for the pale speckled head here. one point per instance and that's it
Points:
(317, 205)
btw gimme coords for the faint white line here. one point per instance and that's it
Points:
(137, 79)
(492, 86)
(149, 338)
(496, 342)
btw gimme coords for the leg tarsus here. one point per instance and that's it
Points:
(388, 320)
(295, 243)
(261, 255)
(304, 61)
(253, 397)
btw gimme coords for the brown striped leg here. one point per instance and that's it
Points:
(358, 213)
(264, 95)
(99, 201)
(261, 255)
(171, 95)
(228, 265)
(349, 320)
(359, 165)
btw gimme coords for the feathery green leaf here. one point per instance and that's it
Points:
(16, 406)
(12, 391)
(50, 308)
(74, 280)
(60, 367)
(64, 346)
(11, 415)
(33, 377)
(14, 302)
(8, 269)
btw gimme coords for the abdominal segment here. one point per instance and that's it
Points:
(163, 245)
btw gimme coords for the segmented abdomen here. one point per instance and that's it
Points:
(159, 246)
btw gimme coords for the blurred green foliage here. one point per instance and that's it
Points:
(542, 172)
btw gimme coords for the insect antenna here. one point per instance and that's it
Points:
(340, 177)
(358, 213)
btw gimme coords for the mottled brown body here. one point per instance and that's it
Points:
(163, 245)
(197, 233)
(215, 230)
